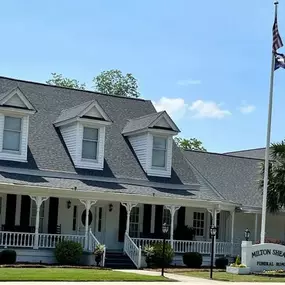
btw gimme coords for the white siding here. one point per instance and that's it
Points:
(15, 101)
(155, 171)
(139, 144)
(17, 156)
(69, 134)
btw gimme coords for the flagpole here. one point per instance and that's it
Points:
(266, 165)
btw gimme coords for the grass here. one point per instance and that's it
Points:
(224, 276)
(69, 274)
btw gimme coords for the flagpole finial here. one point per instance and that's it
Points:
(276, 3)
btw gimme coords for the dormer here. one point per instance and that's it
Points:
(15, 109)
(151, 138)
(83, 130)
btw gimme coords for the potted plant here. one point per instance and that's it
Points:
(238, 268)
(98, 252)
(148, 252)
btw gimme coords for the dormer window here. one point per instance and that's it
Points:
(90, 143)
(12, 133)
(159, 149)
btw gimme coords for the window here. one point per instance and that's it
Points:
(198, 223)
(159, 152)
(12, 134)
(90, 143)
(83, 218)
(134, 222)
(34, 214)
(166, 217)
(74, 218)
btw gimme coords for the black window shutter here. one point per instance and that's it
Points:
(122, 223)
(52, 215)
(146, 219)
(25, 211)
(158, 221)
(10, 210)
(181, 217)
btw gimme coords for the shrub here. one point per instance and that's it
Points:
(221, 263)
(192, 259)
(184, 233)
(157, 258)
(8, 256)
(68, 252)
(238, 262)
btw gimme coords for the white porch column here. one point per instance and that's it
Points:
(232, 232)
(128, 207)
(38, 200)
(88, 204)
(214, 212)
(255, 227)
(172, 210)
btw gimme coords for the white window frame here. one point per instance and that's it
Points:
(21, 133)
(90, 140)
(160, 149)
(135, 222)
(199, 223)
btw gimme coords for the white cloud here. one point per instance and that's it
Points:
(246, 108)
(208, 109)
(175, 107)
(190, 81)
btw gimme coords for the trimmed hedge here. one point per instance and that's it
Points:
(68, 252)
(8, 256)
(221, 263)
(192, 259)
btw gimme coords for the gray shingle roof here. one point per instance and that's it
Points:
(46, 149)
(98, 186)
(235, 178)
(73, 112)
(140, 123)
(258, 153)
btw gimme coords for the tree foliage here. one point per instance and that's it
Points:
(114, 82)
(189, 144)
(276, 178)
(58, 80)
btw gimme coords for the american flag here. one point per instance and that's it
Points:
(277, 41)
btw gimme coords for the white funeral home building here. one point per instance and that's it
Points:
(102, 169)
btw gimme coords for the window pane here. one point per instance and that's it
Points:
(158, 158)
(159, 143)
(89, 150)
(90, 134)
(11, 140)
(12, 124)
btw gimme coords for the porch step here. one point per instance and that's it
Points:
(118, 260)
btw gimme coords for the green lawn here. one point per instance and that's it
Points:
(223, 276)
(70, 274)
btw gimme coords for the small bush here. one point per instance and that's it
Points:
(221, 263)
(192, 259)
(238, 262)
(157, 258)
(8, 256)
(68, 252)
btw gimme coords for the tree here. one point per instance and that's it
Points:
(59, 80)
(189, 144)
(114, 82)
(276, 178)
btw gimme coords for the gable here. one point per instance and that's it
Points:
(15, 101)
(94, 113)
(162, 123)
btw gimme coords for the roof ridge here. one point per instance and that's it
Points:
(243, 150)
(224, 154)
(69, 88)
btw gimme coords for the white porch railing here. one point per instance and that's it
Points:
(93, 242)
(16, 239)
(203, 247)
(50, 240)
(133, 251)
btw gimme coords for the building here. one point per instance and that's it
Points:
(97, 168)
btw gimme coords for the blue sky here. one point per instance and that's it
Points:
(206, 62)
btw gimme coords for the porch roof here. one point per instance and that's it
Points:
(104, 187)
